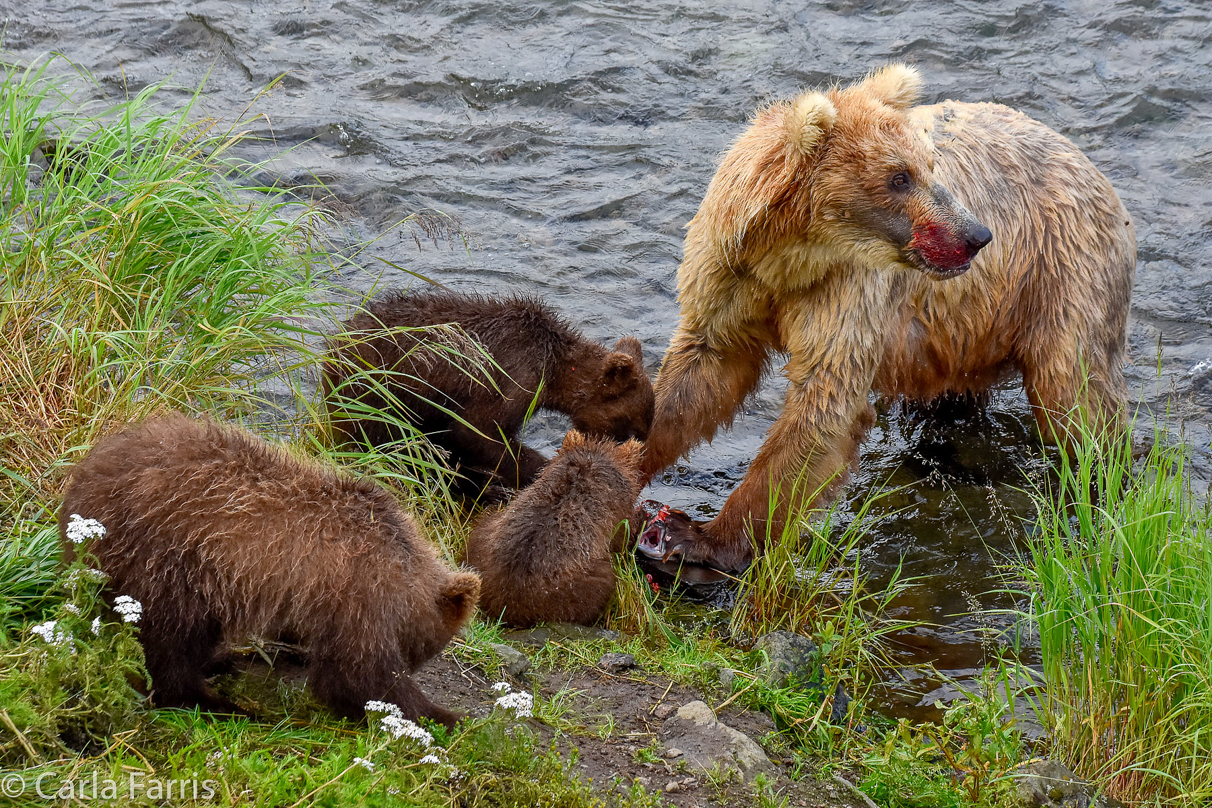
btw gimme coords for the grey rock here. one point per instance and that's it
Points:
(1049, 784)
(513, 662)
(577, 633)
(616, 663)
(727, 679)
(788, 657)
(561, 631)
(841, 706)
(706, 743)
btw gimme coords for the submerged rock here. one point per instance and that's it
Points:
(1049, 784)
(705, 743)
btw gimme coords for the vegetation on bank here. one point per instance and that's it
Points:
(1121, 579)
(144, 270)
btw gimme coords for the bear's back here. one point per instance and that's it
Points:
(256, 532)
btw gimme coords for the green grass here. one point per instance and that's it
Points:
(1121, 581)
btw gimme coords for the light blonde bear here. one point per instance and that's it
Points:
(916, 251)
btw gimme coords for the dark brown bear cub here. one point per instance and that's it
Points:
(547, 556)
(605, 392)
(221, 536)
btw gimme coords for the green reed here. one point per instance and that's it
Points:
(1121, 581)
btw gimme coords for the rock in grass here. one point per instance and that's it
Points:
(705, 743)
(616, 663)
(561, 631)
(789, 658)
(513, 662)
(1048, 784)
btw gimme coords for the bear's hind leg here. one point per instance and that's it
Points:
(178, 650)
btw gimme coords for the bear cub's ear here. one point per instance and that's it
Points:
(459, 596)
(897, 85)
(573, 439)
(628, 456)
(623, 365)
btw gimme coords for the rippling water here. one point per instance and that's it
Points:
(574, 140)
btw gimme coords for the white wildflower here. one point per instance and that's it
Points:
(403, 728)
(49, 633)
(430, 758)
(85, 574)
(71, 609)
(80, 530)
(97, 625)
(522, 704)
(393, 791)
(364, 763)
(383, 707)
(129, 608)
(501, 687)
(397, 725)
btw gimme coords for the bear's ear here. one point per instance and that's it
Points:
(812, 116)
(629, 455)
(631, 346)
(572, 439)
(761, 168)
(897, 85)
(620, 371)
(459, 597)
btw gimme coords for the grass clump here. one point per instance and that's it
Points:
(135, 277)
(1121, 580)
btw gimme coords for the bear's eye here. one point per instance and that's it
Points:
(900, 181)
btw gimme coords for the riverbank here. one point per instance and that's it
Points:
(146, 272)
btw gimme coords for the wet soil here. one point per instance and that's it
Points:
(607, 719)
(637, 704)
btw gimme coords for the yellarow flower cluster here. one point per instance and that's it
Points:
(80, 530)
(364, 763)
(88, 574)
(397, 725)
(51, 633)
(129, 608)
(522, 704)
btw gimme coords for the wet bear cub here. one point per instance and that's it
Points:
(547, 556)
(222, 536)
(529, 349)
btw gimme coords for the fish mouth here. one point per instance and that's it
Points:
(652, 540)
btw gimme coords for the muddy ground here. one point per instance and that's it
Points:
(633, 750)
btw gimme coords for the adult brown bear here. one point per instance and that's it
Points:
(840, 229)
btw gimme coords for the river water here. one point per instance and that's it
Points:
(572, 141)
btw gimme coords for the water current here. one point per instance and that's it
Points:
(572, 141)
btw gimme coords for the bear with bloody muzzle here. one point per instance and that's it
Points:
(915, 251)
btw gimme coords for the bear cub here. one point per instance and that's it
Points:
(222, 536)
(546, 557)
(389, 358)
